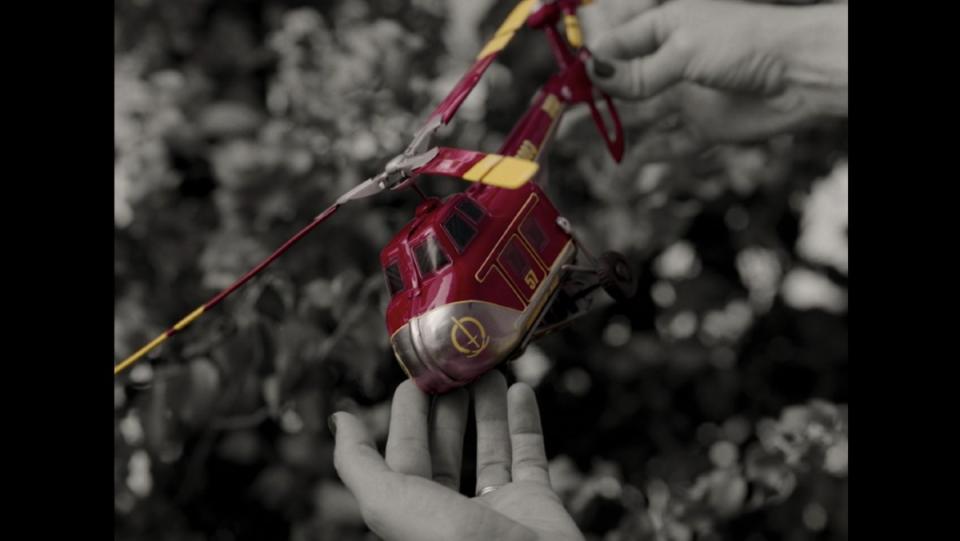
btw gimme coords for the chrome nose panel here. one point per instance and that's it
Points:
(454, 344)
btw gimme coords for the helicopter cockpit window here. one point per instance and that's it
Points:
(461, 232)
(394, 279)
(430, 256)
(470, 209)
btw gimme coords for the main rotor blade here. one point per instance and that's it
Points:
(192, 316)
(514, 21)
(369, 187)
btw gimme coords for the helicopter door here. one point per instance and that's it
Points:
(521, 268)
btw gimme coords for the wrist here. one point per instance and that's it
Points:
(812, 41)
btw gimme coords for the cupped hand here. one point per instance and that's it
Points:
(413, 492)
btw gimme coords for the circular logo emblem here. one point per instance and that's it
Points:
(468, 336)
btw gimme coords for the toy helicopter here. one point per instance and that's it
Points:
(477, 276)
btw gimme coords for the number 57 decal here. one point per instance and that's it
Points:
(531, 279)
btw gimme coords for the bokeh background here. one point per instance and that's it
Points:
(711, 406)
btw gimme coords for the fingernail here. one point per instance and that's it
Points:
(332, 423)
(603, 69)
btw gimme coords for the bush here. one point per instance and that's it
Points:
(711, 407)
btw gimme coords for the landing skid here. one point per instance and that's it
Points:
(566, 304)
(574, 296)
(573, 301)
(570, 302)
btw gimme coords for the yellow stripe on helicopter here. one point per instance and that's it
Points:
(502, 171)
(510, 25)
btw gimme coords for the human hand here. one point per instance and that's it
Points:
(413, 494)
(711, 71)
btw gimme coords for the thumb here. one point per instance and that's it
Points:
(355, 456)
(573, 124)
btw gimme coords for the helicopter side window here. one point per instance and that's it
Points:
(430, 256)
(394, 278)
(513, 259)
(533, 233)
(461, 232)
(470, 209)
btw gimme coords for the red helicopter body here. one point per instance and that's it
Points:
(471, 277)
(475, 277)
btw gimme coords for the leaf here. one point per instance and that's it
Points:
(336, 505)
(161, 437)
(274, 486)
(271, 394)
(728, 490)
(241, 447)
(302, 451)
(229, 119)
(197, 392)
(271, 304)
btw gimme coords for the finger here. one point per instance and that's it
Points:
(355, 456)
(663, 146)
(639, 78)
(446, 437)
(605, 15)
(668, 123)
(493, 435)
(635, 114)
(396, 506)
(574, 122)
(526, 435)
(639, 36)
(408, 449)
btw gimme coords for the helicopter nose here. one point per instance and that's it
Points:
(427, 376)
(454, 344)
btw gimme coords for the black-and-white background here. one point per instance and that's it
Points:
(712, 406)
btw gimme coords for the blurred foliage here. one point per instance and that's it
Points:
(710, 407)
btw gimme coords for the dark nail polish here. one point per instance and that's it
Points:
(603, 69)
(332, 424)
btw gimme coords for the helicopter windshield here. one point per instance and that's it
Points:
(471, 209)
(430, 256)
(394, 278)
(460, 232)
